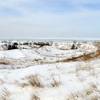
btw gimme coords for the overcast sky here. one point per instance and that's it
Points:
(49, 19)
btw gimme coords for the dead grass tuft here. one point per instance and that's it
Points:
(34, 81)
(5, 94)
(34, 97)
(55, 82)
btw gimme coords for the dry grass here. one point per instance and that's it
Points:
(83, 66)
(85, 57)
(34, 97)
(97, 44)
(4, 61)
(90, 93)
(34, 81)
(5, 94)
(55, 83)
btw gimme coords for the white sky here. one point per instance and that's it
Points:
(49, 19)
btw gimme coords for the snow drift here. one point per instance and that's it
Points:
(50, 71)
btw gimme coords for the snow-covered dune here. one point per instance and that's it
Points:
(46, 54)
(45, 73)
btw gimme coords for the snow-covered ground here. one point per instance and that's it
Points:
(50, 72)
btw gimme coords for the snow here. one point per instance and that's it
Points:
(70, 80)
(45, 54)
(75, 80)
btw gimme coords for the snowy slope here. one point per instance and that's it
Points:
(45, 54)
(41, 74)
(53, 81)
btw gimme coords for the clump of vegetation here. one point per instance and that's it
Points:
(13, 46)
(34, 81)
(34, 97)
(41, 44)
(55, 82)
(5, 94)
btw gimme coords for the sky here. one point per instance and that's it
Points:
(30, 19)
